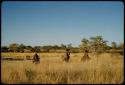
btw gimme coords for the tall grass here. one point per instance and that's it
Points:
(52, 70)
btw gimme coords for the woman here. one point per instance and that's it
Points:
(36, 59)
(67, 55)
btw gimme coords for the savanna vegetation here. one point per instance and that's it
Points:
(105, 65)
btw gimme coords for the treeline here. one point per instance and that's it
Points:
(98, 45)
(14, 47)
(94, 44)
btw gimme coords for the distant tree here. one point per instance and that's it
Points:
(37, 49)
(47, 48)
(84, 44)
(29, 48)
(69, 46)
(121, 48)
(114, 45)
(55, 47)
(4, 49)
(63, 46)
(14, 47)
(22, 47)
(113, 48)
(98, 45)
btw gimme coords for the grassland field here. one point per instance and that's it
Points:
(105, 69)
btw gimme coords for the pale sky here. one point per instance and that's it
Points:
(49, 23)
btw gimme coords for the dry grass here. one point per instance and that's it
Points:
(52, 70)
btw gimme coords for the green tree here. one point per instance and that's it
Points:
(63, 46)
(98, 45)
(47, 48)
(14, 47)
(121, 48)
(55, 47)
(69, 46)
(22, 47)
(84, 44)
(113, 48)
(29, 48)
(4, 49)
(114, 45)
(36, 49)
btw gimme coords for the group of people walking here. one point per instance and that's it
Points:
(66, 57)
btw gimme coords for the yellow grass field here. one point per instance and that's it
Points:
(105, 69)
